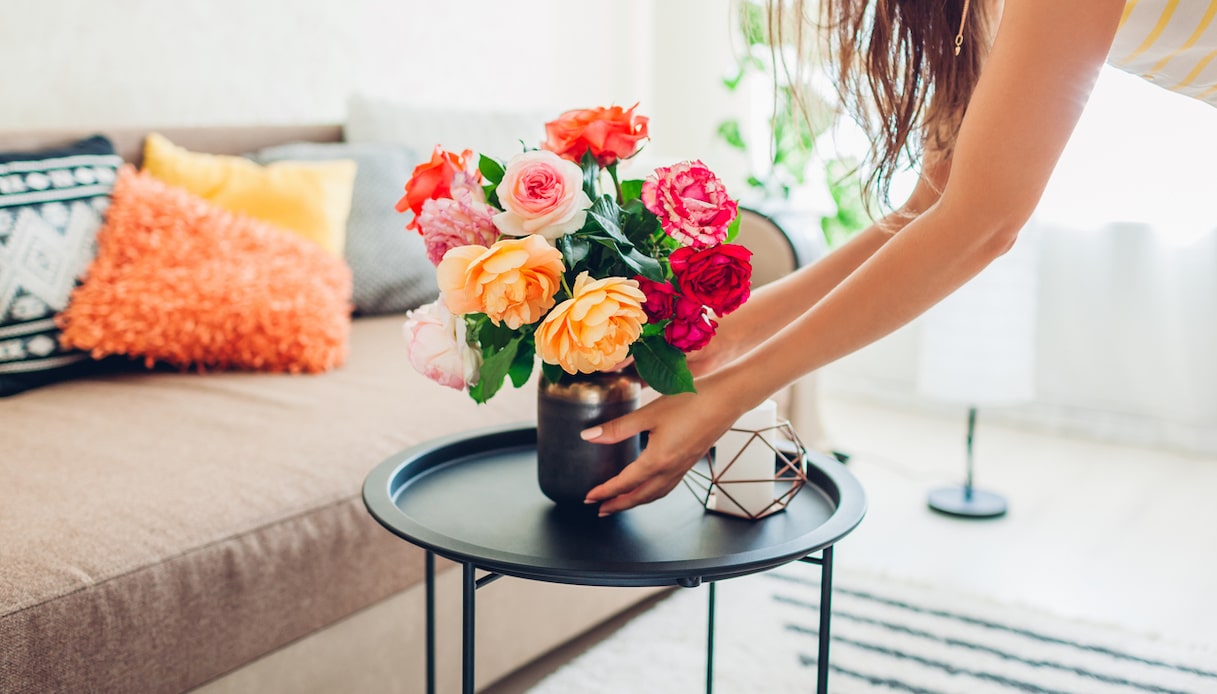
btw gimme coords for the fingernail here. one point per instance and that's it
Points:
(589, 501)
(589, 434)
(605, 514)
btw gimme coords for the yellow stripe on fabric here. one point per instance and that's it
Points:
(1167, 13)
(1191, 40)
(1191, 76)
(1208, 92)
(1128, 8)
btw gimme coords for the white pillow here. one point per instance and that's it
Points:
(495, 133)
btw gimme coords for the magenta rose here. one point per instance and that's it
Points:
(691, 202)
(461, 220)
(661, 299)
(690, 329)
(719, 277)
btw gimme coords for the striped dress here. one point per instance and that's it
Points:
(1172, 43)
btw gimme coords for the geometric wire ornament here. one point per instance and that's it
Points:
(789, 474)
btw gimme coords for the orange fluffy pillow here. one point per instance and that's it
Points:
(181, 281)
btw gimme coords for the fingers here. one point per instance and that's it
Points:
(616, 430)
(650, 490)
(625, 482)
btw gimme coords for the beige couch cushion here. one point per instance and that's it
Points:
(158, 530)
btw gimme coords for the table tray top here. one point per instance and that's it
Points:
(474, 497)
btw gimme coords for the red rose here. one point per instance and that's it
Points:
(719, 276)
(610, 133)
(661, 299)
(690, 329)
(432, 180)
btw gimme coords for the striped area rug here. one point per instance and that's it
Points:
(887, 636)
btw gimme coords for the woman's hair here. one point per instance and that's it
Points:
(896, 71)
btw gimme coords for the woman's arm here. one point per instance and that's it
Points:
(1044, 62)
(777, 304)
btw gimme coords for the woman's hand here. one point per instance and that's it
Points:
(682, 429)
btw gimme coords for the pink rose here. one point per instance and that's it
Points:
(437, 346)
(541, 193)
(691, 202)
(461, 220)
(690, 329)
(719, 276)
(661, 298)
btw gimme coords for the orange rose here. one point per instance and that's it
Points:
(610, 133)
(433, 180)
(593, 330)
(513, 282)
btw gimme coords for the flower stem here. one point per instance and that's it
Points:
(612, 169)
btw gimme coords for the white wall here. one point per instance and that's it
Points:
(163, 63)
(72, 63)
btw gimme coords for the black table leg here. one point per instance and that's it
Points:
(467, 629)
(430, 578)
(710, 644)
(825, 616)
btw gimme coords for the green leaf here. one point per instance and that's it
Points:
(591, 174)
(630, 190)
(653, 329)
(492, 195)
(662, 366)
(574, 249)
(733, 228)
(521, 367)
(732, 83)
(752, 23)
(607, 215)
(491, 170)
(729, 130)
(639, 225)
(494, 337)
(552, 372)
(495, 367)
(644, 265)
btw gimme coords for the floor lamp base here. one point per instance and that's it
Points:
(957, 501)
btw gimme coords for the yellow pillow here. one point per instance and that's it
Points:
(311, 199)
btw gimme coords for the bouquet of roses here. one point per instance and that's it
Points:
(538, 257)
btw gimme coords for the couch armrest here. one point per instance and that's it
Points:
(776, 252)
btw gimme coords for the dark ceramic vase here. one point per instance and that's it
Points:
(567, 466)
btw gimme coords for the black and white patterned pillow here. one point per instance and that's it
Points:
(51, 206)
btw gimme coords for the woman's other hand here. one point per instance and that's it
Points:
(682, 429)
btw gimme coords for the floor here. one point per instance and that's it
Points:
(1107, 534)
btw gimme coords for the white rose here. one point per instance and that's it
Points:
(437, 346)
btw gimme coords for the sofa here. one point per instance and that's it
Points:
(166, 530)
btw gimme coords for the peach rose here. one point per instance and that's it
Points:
(513, 282)
(541, 193)
(593, 330)
(433, 179)
(609, 133)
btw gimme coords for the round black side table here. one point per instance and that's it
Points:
(473, 498)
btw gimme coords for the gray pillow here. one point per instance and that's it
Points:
(389, 265)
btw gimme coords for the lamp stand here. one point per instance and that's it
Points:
(966, 501)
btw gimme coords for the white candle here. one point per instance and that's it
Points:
(752, 461)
